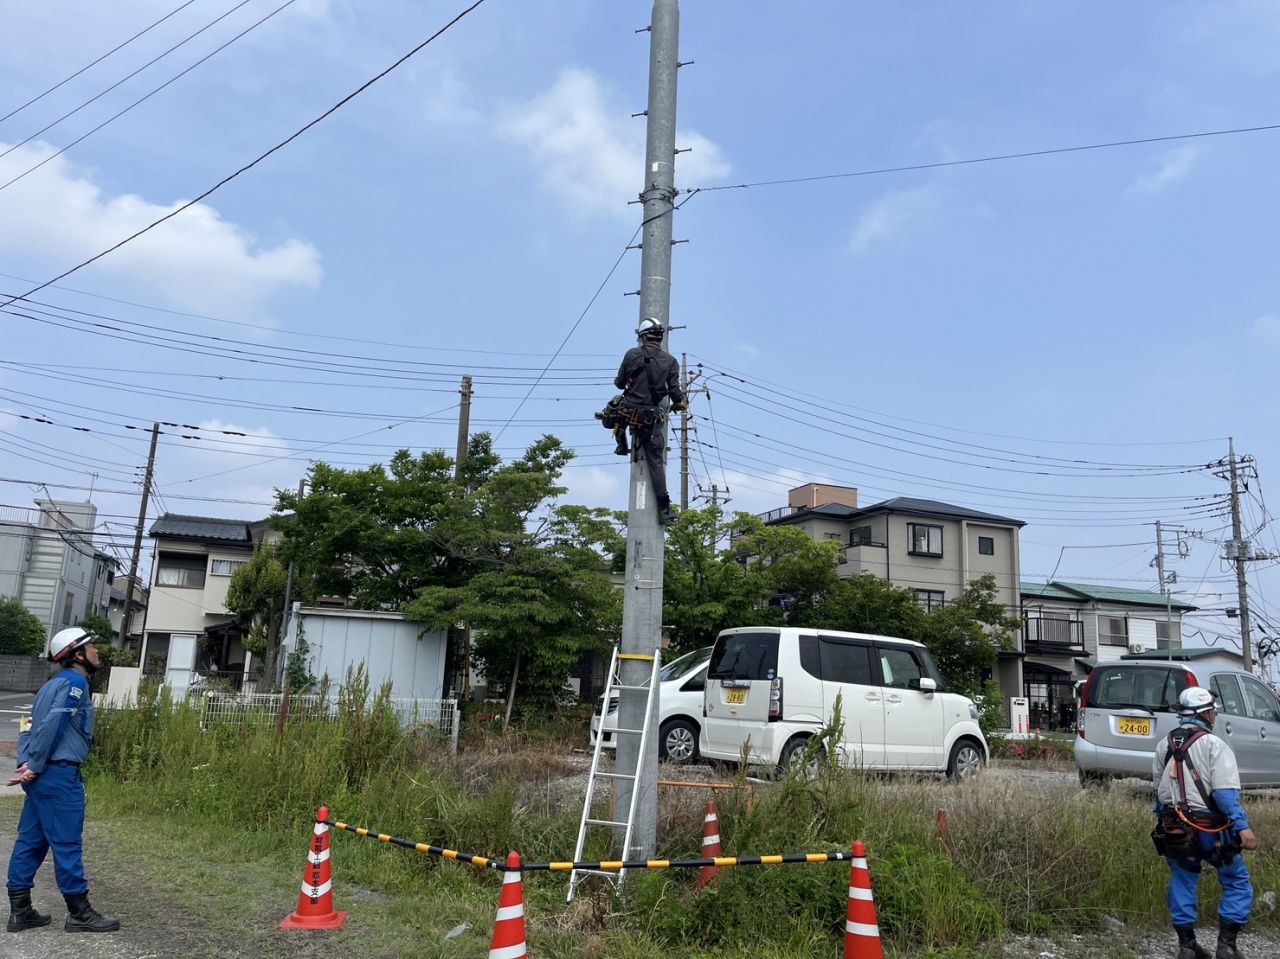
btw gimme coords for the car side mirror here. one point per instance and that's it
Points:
(927, 685)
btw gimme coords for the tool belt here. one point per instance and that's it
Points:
(612, 416)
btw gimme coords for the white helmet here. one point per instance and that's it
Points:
(65, 642)
(650, 329)
(1195, 701)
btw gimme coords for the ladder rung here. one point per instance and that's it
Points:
(638, 689)
(607, 873)
(605, 822)
(615, 775)
(633, 732)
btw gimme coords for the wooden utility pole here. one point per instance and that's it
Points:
(132, 584)
(464, 439)
(684, 433)
(1240, 549)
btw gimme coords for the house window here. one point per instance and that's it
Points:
(67, 602)
(930, 599)
(225, 567)
(860, 536)
(924, 540)
(1113, 631)
(1164, 630)
(184, 570)
(986, 546)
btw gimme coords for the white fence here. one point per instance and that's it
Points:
(440, 716)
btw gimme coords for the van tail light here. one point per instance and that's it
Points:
(775, 699)
(1084, 701)
(1191, 679)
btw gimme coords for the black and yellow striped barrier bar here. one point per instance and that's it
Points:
(480, 862)
(606, 865)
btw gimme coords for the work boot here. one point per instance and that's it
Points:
(22, 914)
(84, 918)
(1188, 948)
(1227, 948)
(666, 515)
(621, 449)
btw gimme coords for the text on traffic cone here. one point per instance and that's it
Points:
(315, 901)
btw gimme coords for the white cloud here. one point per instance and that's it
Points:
(241, 466)
(196, 261)
(1173, 167)
(889, 216)
(591, 151)
(1267, 329)
(594, 486)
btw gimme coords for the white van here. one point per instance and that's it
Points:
(679, 709)
(776, 686)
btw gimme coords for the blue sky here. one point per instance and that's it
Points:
(1110, 306)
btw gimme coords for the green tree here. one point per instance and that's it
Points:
(20, 631)
(538, 607)
(867, 604)
(966, 635)
(256, 596)
(707, 590)
(101, 628)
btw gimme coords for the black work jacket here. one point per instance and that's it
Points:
(648, 375)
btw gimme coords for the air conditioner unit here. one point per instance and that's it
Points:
(1138, 647)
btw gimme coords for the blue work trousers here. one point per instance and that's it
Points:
(1237, 888)
(52, 818)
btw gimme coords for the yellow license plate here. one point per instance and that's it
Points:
(735, 697)
(1133, 727)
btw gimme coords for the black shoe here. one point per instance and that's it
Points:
(666, 515)
(622, 449)
(1188, 948)
(22, 915)
(1227, 948)
(84, 918)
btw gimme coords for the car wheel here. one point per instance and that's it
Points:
(966, 760)
(678, 741)
(792, 759)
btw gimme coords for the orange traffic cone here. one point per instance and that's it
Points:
(861, 933)
(315, 902)
(710, 844)
(508, 929)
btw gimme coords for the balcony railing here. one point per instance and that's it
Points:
(778, 513)
(1065, 635)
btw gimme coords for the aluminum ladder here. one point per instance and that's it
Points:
(628, 825)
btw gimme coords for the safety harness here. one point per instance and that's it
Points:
(1180, 742)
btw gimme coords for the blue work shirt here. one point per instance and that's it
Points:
(61, 723)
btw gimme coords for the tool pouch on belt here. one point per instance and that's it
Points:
(1224, 850)
(612, 416)
(640, 417)
(1172, 837)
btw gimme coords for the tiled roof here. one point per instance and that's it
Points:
(1058, 589)
(173, 526)
(899, 504)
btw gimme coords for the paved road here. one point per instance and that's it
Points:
(12, 705)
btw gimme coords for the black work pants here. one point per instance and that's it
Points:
(648, 443)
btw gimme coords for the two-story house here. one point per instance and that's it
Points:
(188, 626)
(49, 562)
(934, 549)
(1069, 627)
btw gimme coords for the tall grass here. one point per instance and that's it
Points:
(1017, 857)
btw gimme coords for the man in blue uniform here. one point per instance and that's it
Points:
(49, 758)
(1202, 821)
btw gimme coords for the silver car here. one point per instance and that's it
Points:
(1128, 707)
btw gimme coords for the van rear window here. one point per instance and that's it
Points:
(1151, 687)
(744, 656)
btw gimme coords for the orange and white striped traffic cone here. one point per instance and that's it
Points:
(710, 844)
(861, 932)
(508, 929)
(315, 902)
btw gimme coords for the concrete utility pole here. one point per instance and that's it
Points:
(132, 583)
(464, 426)
(278, 665)
(464, 437)
(642, 599)
(684, 432)
(1239, 549)
(1164, 584)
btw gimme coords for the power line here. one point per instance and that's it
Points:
(201, 499)
(834, 403)
(248, 166)
(993, 158)
(93, 99)
(94, 63)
